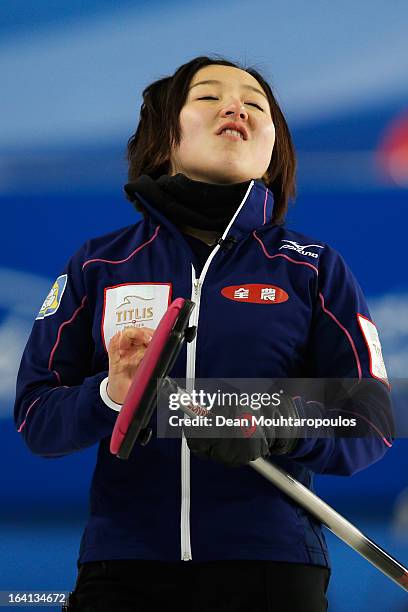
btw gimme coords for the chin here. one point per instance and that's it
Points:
(225, 178)
(218, 175)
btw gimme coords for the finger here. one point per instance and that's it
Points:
(145, 333)
(132, 358)
(149, 330)
(132, 337)
(114, 343)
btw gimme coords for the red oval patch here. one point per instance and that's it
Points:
(255, 294)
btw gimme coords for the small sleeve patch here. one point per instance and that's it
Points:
(370, 334)
(53, 299)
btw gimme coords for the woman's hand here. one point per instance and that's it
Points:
(125, 351)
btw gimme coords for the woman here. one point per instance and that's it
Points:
(212, 169)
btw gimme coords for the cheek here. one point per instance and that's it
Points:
(191, 124)
(268, 136)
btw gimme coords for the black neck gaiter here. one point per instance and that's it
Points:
(193, 203)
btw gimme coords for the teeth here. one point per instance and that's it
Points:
(233, 132)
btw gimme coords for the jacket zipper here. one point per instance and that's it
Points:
(196, 285)
(186, 554)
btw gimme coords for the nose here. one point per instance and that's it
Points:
(235, 108)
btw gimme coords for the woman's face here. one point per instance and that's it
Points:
(218, 96)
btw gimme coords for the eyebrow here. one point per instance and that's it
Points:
(216, 82)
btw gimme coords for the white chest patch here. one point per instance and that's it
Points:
(133, 305)
(370, 333)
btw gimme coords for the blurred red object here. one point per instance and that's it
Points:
(392, 153)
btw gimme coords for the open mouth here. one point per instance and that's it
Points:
(233, 134)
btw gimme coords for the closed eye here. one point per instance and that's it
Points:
(248, 103)
(256, 105)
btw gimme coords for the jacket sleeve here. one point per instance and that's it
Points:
(58, 407)
(344, 344)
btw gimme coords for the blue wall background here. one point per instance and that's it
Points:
(73, 77)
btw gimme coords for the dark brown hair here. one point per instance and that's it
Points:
(148, 150)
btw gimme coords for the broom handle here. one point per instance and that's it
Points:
(334, 521)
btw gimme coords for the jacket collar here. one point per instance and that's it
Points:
(254, 211)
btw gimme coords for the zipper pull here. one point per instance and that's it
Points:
(227, 243)
(196, 287)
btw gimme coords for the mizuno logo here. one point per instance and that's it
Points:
(299, 248)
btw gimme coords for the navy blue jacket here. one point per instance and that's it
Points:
(162, 503)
